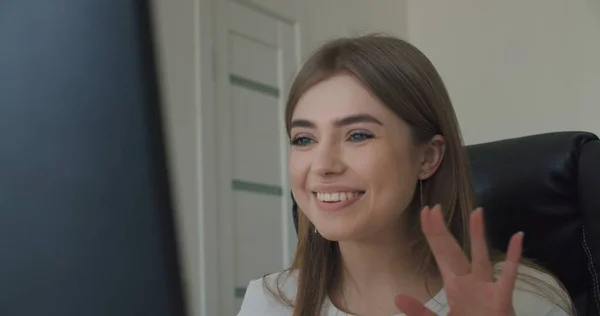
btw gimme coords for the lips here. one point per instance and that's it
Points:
(337, 201)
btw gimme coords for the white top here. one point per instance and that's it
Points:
(258, 301)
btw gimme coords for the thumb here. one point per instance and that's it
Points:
(411, 306)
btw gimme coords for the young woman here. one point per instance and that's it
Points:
(387, 217)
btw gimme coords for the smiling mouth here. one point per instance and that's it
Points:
(335, 197)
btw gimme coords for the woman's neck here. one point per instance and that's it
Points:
(373, 272)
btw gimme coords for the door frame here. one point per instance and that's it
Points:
(207, 152)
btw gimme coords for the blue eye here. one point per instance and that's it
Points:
(359, 137)
(301, 141)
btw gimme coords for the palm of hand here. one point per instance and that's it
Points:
(470, 285)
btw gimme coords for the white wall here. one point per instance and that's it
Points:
(175, 33)
(183, 38)
(514, 67)
(324, 19)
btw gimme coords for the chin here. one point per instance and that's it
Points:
(337, 237)
(337, 234)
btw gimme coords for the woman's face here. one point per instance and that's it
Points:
(353, 164)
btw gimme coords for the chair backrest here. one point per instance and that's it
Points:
(548, 186)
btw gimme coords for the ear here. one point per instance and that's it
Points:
(432, 156)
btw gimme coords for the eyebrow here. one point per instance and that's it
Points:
(348, 120)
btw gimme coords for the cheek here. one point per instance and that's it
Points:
(298, 170)
(390, 173)
(379, 166)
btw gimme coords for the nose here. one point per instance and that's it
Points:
(328, 161)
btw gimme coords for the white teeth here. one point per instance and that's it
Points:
(336, 197)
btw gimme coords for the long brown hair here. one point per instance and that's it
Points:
(405, 80)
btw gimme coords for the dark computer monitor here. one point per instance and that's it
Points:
(86, 224)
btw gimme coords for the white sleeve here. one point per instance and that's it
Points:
(557, 311)
(529, 301)
(253, 303)
(259, 302)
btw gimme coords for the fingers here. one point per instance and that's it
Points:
(411, 306)
(448, 254)
(481, 266)
(506, 282)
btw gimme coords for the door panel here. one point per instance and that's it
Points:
(253, 62)
(256, 211)
(256, 150)
(252, 24)
(285, 10)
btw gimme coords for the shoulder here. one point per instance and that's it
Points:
(538, 293)
(271, 295)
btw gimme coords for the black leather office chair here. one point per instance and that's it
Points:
(548, 186)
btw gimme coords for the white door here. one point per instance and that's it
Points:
(256, 53)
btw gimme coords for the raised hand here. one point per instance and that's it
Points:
(470, 286)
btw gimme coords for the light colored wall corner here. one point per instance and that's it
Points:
(186, 84)
(386, 16)
(322, 20)
(514, 67)
(175, 36)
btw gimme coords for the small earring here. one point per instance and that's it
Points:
(426, 171)
(421, 193)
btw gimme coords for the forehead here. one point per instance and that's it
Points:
(338, 96)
